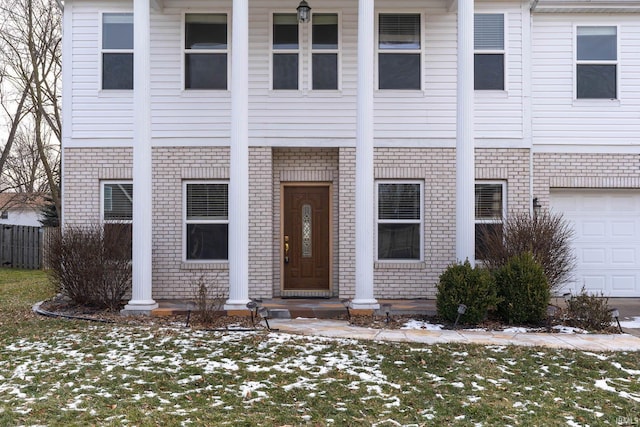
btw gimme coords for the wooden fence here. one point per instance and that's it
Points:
(20, 246)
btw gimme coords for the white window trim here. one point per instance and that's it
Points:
(185, 222)
(377, 50)
(505, 41)
(501, 220)
(103, 183)
(308, 85)
(576, 62)
(103, 51)
(184, 50)
(273, 51)
(405, 221)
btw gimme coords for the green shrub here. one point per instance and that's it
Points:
(590, 312)
(473, 287)
(523, 288)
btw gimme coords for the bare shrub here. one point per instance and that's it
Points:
(92, 264)
(210, 298)
(589, 311)
(546, 235)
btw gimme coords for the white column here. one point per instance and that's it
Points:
(142, 300)
(364, 298)
(465, 161)
(239, 182)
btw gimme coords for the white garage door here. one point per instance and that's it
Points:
(607, 239)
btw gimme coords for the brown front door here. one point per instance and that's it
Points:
(306, 238)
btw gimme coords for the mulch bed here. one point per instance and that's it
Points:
(64, 307)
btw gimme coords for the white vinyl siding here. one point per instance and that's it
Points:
(561, 120)
(285, 117)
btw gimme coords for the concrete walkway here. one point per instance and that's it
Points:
(341, 329)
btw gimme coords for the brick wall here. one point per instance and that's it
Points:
(583, 170)
(436, 167)
(84, 168)
(270, 168)
(304, 165)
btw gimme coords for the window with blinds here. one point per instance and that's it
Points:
(399, 51)
(489, 213)
(324, 51)
(117, 201)
(205, 51)
(596, 62)
(399, 220)
(489, 63)
(117, 51)
(286, 52)
(117, 212)
(206, 221)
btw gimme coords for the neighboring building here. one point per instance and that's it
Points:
(21, 209)
(346, 156)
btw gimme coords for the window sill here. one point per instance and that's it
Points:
(394, 93)
(206, 93)
(399, 265)
(491, 94)
(204, 265)
(298, 93)
(115, 93)
(596, 102)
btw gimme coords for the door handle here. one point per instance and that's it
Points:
(286, 249)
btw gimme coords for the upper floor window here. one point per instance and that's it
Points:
(399, 51)
(117, 51)
(399, 220)
(207, 220)
(205, 51)
(489, 51)
(490, 210)
(286, 51)
(324, 51)
(596, 62)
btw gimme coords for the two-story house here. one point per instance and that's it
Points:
(352, 149)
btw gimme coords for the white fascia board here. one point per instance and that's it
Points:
(585, 6)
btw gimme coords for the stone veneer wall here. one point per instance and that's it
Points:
(583, 170)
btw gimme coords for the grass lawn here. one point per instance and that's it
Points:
(61, 372)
